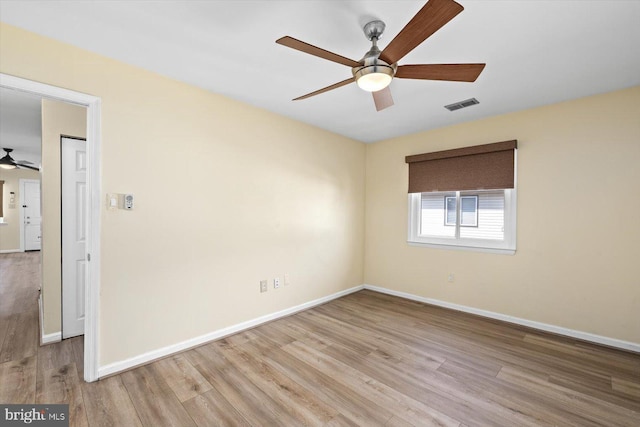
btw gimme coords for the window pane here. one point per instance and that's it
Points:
(451, 209)
(433, 215)
(468, 211)
(490, 217)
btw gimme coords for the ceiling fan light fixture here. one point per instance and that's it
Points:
(374, 78)
(7, 162)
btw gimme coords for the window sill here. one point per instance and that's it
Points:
(463, 248)
(3, 223)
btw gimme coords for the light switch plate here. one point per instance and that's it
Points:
(112, 201)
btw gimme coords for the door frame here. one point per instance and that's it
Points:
(21, 183)
(92, 280)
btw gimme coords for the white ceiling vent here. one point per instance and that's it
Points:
(462, 104)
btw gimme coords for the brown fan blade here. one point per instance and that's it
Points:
(448, 72)
(316, 51)
(326, 89)
(427, 21)
(382, 98)
(20, 165)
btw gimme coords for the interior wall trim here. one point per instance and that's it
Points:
(123, 365)
(584, 336)
(48, 338)
(10, 251)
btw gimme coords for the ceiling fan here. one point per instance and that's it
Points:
(374, 72)
(7, 162)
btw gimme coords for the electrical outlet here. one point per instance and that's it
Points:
(276, 283)
(451, 278)
(264, 286)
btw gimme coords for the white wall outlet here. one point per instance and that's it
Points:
(264, 286)
(287, 280)
(451, 278)
(276, 283)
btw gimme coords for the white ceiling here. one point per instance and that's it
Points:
(537, 52)
(20, 125)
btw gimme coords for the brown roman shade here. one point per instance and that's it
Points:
(481, 167)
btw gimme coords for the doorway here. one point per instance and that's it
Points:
(31, 217)
(91, 206)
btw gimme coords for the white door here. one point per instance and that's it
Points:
(74, 235)
(31, 216)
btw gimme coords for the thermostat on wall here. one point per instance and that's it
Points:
(128, 201)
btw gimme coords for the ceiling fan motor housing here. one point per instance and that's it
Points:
(7, 162)
(373, 69)
(374, 29)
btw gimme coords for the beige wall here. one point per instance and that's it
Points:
(58, 119)
(226, 195)
(578, 233)
(10, 231)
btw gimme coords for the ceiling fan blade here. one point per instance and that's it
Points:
(433, 16)
(448, 72)
(326, 89)
(382, 98)
(20, 165)
(316, 51)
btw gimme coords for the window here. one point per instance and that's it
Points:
(468, 210)
(471, 215)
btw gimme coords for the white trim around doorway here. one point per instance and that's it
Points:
(92, 294)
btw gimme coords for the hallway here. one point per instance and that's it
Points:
(30, 373)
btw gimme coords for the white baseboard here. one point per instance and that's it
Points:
(150, 356)
(9, 251)
(49, 338)
(585, 336)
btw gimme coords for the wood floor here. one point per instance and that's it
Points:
(366, 359)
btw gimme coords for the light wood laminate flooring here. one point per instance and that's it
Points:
(366, 359)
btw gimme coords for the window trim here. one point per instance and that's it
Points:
(506, 246)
